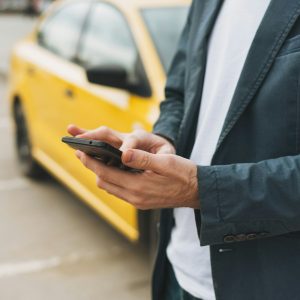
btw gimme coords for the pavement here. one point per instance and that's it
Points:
(52, 245)
(13, 27)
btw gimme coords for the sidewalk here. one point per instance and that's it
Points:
(13, 28)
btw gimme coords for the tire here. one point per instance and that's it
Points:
(29, 167)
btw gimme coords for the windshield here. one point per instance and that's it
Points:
(165, 26)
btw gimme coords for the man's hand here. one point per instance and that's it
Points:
(138, 139)
(168, 180)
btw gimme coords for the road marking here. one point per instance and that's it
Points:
(26, 267)
(4, 123)
(14, 184)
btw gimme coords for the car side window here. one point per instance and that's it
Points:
(108, 41)
(61, 32)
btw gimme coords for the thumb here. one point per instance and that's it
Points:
(143, 160)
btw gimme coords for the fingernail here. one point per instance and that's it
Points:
(129, 156)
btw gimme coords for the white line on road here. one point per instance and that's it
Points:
(14, 184)
(14, 269)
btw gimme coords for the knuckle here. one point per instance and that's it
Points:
(135, 200)
(102, 175)
(135, 132)
(84, 161)
(139, 132)
(170, 149)
(171, 161)
(130, 141)
(104, 130)
(142, 199)
(131, 138)
(136, 190)
(146, 161)
(100, 183)
(139, 201)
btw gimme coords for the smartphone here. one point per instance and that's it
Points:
(99, 150)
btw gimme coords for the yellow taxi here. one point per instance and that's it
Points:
(91, 63)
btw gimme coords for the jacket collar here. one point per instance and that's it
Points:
(274, 29)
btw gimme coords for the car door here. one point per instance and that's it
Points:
(108, 41)
(52, 73)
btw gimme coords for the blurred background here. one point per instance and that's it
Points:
(27, 6)
(91, 63)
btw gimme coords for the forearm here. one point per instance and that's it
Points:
(241, 199)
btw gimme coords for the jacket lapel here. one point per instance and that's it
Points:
(204, 19)
(277, 23)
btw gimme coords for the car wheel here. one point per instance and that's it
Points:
(28, 165)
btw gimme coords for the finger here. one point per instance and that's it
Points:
(105, 134)
(130, 142)
(75, 130)
(166, 149)
(114, 190)
(107, 173)
(158, 163)
(90, 163)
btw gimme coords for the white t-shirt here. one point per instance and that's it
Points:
(229, 45)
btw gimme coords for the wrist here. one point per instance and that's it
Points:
(194, 201)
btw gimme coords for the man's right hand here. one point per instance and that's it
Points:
(138, 139)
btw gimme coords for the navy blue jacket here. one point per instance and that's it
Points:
(250, 195)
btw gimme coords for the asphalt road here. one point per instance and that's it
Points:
(52, 245)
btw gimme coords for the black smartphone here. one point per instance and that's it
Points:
(100, 150)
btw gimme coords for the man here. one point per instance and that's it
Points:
(232, 112)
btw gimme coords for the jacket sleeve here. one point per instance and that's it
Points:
(249, 201)
(171, 109)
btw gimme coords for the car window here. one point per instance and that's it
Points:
(165, 25)
(108, 41)
(60, 33)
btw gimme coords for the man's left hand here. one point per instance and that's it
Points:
(167, 181)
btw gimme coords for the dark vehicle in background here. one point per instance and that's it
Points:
(27, 6)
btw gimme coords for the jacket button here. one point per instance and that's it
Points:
(229, 239)
(240, 237)
(251, 236)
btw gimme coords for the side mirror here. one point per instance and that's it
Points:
(113, 76)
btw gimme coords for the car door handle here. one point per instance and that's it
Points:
(69, 93)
